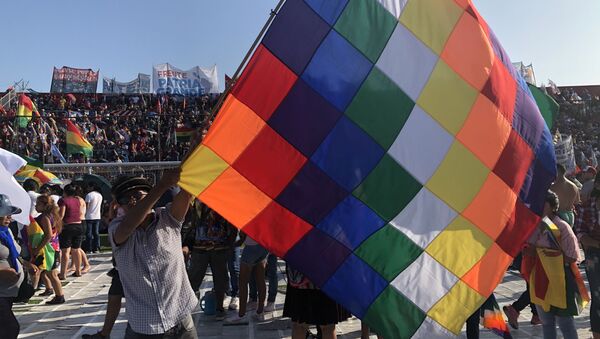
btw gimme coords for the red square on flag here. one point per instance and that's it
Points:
(501, 89)
(264, 83)
(514, 161)
(269, 162)
(277, 229)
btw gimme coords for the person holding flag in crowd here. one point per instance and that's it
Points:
(551, 258)
(146, 244)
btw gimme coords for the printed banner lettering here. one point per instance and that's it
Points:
(167, 79)
(140, 85)
(565, 153)
(74, 80)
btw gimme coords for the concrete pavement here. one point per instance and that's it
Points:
(86, 303)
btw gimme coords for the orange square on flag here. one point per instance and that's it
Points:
(489, 271)
(485, 132)
(492, 207)
(236, 199)
(462, 3)
(475, 65)
(242, 127)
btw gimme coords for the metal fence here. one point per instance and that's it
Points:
(110, 171)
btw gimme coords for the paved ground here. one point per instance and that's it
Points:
(84, 313)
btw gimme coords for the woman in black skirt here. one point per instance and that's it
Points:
(306, 305)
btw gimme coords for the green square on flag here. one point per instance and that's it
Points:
(389, 252)
(388, 189)
(367, 25)
(380, 108)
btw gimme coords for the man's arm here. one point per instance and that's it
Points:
(87, 200)
(61, 211)
(180, 205)
(577, 200)
(137, 214)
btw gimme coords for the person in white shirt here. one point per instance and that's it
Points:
(93, 215)
(31, 186)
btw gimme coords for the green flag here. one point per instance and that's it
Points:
(33, 161)
(548, 107)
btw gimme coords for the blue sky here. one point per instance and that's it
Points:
(124, 37)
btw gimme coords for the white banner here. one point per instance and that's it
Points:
(140, 85)
(167, 79)
(565, 153)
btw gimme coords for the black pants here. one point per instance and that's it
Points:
(473, 325)
(10, 326)
(217, 259)
(523, 301)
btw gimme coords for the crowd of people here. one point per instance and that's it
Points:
(50, 247)
(121, 128)
(163, 240)
(579, 117)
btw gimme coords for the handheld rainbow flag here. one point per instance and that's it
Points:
(25, 110)
(492, 318)
(76, 143)
(36, 235)
(39, 175)
(388, 150)
(183, 133)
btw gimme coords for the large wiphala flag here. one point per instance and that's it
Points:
(387, 149)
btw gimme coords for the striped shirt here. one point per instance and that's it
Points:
(152, 271)
(587, 220)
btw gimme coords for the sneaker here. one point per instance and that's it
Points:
(95, 336)
(270, 307)
(221, 315)
(513, 316)
(535, 320)
(252, 305)
(56, 300)
(236, 320)
(233, 304)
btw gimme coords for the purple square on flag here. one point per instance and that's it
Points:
(544, 152)
(347, 285)
(351, 222)
(317, 255)
(295, 34)
(311, 194)
(533, 191)
(304, 118)
(337, 70)
(527, 121)
(501, 54)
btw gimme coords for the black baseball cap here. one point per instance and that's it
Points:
(126, 184)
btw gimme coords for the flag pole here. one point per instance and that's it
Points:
(223, 95)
